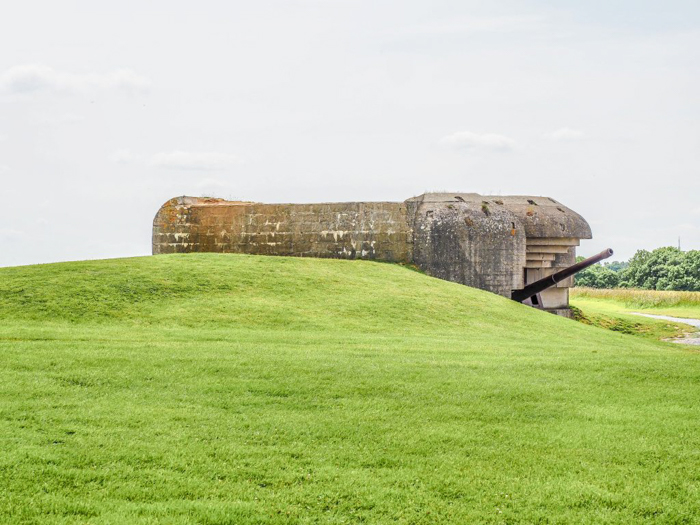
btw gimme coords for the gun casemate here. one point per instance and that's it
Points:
(531, 293)
(496, 243)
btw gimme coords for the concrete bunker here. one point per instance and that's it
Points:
(496, 243)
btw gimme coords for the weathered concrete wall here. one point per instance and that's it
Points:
(469, 242)
(495, 243)
(356, 230)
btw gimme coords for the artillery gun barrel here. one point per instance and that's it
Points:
(551, 280)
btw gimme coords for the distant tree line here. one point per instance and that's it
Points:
(661, 269)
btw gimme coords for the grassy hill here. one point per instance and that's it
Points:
(236, 389)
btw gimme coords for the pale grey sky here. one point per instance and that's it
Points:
(109, 109)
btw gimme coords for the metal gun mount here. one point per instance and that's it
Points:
(530, 295)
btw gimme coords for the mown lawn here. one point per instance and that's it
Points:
(235, 389)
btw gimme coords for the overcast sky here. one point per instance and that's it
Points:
(107, 111)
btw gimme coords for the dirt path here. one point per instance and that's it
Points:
(690, 339)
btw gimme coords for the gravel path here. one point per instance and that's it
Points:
(691, 339)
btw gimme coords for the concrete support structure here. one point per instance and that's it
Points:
(494, 243)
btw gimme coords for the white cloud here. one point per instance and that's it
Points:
(469, 140)
(209, 182)
(695, 211)
(123, 156)
(191, 160)
(31, 78)
(180, 160)
(688, 227)
(565, 134)
(10, 233)
(3, 138)
(211, 187)
(65, 118)
(4, 168)
(478, 24)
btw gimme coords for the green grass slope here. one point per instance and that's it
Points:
(616, 316)
(223, 389)
(616, 310)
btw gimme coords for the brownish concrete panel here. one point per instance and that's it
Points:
(345, 230)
